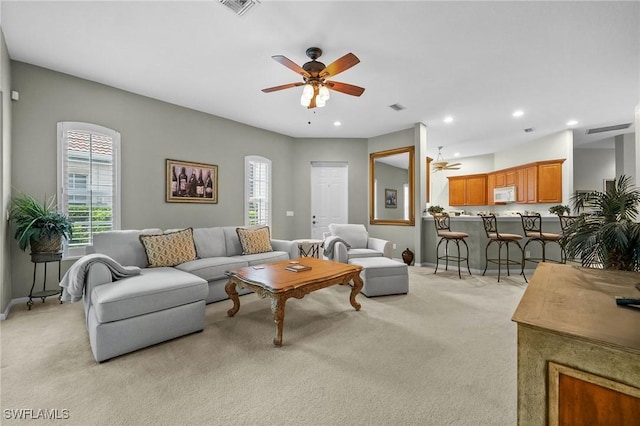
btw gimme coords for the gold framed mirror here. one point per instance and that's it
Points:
(391, 187)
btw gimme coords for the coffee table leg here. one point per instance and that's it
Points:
(230, 288)
(357, 286)
(277, 307)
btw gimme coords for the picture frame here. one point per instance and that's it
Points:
(189, 182)
(608, 184)
(390, 198)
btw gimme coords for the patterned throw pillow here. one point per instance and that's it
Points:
(254, 240)
(170, 249)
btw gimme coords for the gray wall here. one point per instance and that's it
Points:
(351, 151)
(402, 236)
(390, 177)
(5, 172)
(592, 165)
(153, 131)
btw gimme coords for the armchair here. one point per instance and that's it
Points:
(358, 240)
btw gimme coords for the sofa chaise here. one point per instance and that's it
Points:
(164, 302)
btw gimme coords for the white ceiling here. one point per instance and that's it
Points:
(476, 61)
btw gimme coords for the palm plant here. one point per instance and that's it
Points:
(38, 222)
(608, 236)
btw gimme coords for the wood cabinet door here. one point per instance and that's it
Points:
(550, 183)
(521, 185)
(511, 178)
(501, 180)
(476, 191)
(491, 184)
(457, 191)
(532, 184)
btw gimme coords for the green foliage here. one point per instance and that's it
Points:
(608, 236)
(83, 226)
(435, 209)
(36, 220)
(559, 209)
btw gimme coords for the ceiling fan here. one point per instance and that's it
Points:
(440, 164)
(314, 74)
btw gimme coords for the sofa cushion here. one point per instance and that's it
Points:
(260, 258)
(209, 242)
(169, 249)
(362, 253)
(355, 234)
(212, 268)
(255, 239)
(123, 246)
(231, 241)
(153, 290)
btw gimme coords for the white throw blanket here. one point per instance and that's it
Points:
(74, 280)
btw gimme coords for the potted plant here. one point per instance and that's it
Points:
(560, 210)
(435, 210)
(39, 225)
(609, 236)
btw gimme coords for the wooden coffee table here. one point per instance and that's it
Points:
(272, 280)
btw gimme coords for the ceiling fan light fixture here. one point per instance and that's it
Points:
(307, 95)
(323, 93)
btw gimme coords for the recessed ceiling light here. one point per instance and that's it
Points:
(457, 154)
(337, 123)
(518, 113)
(448, 119)
(572, 122)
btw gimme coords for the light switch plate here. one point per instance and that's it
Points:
(289, 213)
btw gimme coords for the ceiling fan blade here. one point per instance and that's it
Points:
(284, 86)
(349, 89)
(339, 65)
(455, 164)
(451, 168)
(291, 65)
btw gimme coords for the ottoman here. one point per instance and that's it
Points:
(382, 276)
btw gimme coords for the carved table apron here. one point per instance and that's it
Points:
(272, 280)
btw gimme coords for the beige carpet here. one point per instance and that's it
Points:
(445, 354)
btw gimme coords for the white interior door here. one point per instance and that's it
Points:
(329, 196)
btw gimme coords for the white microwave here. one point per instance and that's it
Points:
(504, 195)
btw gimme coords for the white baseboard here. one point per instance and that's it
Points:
(5, 314)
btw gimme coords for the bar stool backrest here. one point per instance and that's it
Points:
(566, 222)
(490, 226)
(532, 224)
(442, 223)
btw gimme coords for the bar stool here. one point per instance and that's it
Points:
(532, 227)
(491, 228)
(443, 230)
(565, 225)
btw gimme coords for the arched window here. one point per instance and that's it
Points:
(88, 181)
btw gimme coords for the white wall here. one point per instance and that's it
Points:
(592, 166)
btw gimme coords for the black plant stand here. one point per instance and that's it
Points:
(44, 258)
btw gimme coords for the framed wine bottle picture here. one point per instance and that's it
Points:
(189, 182)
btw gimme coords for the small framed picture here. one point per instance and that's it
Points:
(608, 185)
(390, 198)
(189, 182)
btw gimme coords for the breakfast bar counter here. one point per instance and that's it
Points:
(478, 240)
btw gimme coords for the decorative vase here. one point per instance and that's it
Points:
(407, 256)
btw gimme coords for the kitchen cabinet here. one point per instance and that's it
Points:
(470, 190)
(549, 182)
(491, 185)
(539, 182)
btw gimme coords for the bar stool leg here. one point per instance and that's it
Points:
(467, 249)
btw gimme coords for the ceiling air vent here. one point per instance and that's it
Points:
(239, 7)
(397, 107)
(608, 128)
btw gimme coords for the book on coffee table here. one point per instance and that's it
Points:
(297, 267)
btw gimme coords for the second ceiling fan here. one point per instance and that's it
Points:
(440, 164)
(315, 74)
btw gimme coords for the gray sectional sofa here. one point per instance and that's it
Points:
(161, 303)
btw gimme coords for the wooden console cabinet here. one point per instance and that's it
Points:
(578, 352)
